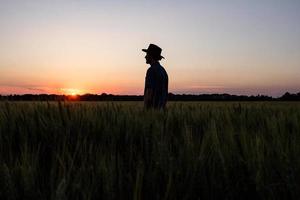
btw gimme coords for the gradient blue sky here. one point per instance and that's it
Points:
(233, 46)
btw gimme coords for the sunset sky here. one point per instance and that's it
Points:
(91, 46)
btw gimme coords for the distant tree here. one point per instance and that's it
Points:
(290, 97)
(172, 97)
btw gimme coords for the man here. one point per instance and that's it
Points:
(156, 83)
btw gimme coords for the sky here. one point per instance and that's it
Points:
(92, 46)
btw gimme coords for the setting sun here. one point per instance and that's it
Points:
(71, 91)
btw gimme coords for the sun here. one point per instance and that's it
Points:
(74, 92)
(71, 91)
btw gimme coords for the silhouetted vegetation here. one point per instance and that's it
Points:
(290, 97)
(171, 97)
(118, 150)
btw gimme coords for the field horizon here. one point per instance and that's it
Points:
(171, 97)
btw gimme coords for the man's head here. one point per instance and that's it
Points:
(153, 54)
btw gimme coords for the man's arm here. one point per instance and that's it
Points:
(148, 98)
(149, 88)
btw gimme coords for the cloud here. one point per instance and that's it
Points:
(18, 89)
(206, 87)
(37, 89)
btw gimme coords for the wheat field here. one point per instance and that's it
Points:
(118, 150)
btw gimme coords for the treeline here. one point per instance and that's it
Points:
(171, 97)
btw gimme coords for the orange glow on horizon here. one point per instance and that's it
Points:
(71, 91)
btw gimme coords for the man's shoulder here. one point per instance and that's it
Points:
(163, 72)
(156, 70)
(150, 71)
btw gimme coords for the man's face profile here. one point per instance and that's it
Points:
(148, 58)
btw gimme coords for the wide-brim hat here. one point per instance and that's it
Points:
(154, 50)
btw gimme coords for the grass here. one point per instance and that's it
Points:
(117, 150)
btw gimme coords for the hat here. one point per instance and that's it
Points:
(153, 50)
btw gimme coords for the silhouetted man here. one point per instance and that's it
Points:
(156, 83)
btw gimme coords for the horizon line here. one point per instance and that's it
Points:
(104, 93)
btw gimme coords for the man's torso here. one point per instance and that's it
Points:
(157, 81)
